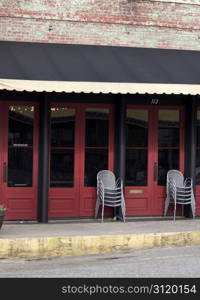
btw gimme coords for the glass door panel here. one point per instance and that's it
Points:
(198, 150)
(96, 143)
(136, 147)
(197, 181)
(20, 146)
(62, 147)
(168, 142)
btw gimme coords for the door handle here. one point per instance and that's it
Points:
(5, 172)
(155, 172)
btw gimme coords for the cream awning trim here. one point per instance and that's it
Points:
(98, 87)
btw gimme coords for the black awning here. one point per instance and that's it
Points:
(97, 64)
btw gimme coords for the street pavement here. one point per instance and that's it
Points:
(170, 262)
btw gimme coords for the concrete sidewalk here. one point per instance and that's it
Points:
(81, 237)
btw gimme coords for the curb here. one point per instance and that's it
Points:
(50, 247)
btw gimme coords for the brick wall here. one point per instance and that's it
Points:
(168, 24)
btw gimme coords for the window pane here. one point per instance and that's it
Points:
(198, 167)
(21, 125)
(198, 135)
(136, 128)
(95, 160)
(198, 150)
(136, 167)
(97, 127)
(62, 126)
(20, 142)
(168, 128)
(62, 168)
(198, 128)
(20, 166)
(167, 159)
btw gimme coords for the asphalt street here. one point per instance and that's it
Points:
(158, 262)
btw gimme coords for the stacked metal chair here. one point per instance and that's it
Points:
(109, 192)
(179, 192)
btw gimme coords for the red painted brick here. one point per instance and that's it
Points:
(160, 24)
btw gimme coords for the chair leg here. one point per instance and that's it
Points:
(102, 213)
(193, 209)
(174, 211)
(166, 206)
(124, 218)
(193, 206)
(123, 212)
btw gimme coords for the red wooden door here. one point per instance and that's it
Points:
(154, 144)
(81, 145)
(19, 159)
(97, 152)
(64, 160)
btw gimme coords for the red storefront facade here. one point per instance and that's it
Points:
(86, 87)
(83, 139)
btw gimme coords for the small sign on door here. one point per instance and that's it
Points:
(136, 191)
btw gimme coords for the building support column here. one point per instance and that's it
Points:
(190, 145)
(43, 172)
(120, 143)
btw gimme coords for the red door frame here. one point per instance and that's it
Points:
(88, 194)
(79, 200)
(21, 202)
(65, 201)
(146, 201)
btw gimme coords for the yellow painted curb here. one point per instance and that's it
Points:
(48, 247)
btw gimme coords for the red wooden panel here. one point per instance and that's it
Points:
(21, 202)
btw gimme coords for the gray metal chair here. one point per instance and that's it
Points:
(178, 177)
(109, 192)
(179, 191)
